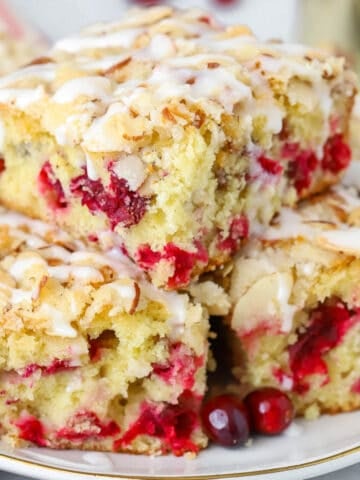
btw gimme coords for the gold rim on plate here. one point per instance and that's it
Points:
(254, 473)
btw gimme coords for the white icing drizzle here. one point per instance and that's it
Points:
(22, 264)
(103, 64)
(177, 305)
(221, 85)
(19, 296)
(181, 55)
(345, 240)
(132, 169)
(273, 114)
(41, 259)
(215, 43)
(81, 273)
(93, 87)
(59, 326)
(123, 38)
(200, 60)
(322, 226)
(56, 251)
(21, 98)
(44, 72)
(125, 291)
(161, 46)
(292, 48)
(289, 224)
(16, 220)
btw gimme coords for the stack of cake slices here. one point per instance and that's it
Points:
(143, 161)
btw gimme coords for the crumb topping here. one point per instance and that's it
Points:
(36, 258)
(115, 84)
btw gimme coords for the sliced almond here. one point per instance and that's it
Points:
(265, 301)
(136, 299)
(40, 61)
(345, 241)
(40, 286)
(117, 66)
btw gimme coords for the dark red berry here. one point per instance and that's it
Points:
(32, 430)
(337, 154)
(120, 204)
(270, 166)
(271, 410)
(50, 187)
(301, 168)
(226, 421)
(328, 325)
(182, 260)
(239, 230)
(174, 425)
(55, 367)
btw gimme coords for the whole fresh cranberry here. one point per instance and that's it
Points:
(271, 410)
(225, 420)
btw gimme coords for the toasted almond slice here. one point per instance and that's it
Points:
(136, 299)
(117, 66)
(320, 224)
(345, 241)
(40, 61)
(40, 286)
(267, 299)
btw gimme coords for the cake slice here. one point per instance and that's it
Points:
(296, 306)
(92, 355)
(176, 134)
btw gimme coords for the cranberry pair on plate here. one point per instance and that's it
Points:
(229, 421)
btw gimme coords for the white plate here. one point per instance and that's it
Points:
(306, 450)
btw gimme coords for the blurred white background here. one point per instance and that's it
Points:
(268, 18)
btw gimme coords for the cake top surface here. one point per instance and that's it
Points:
(160, 68)
(309, 254)
(330, 221)
(44, 273)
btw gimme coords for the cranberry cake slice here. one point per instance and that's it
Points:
(296, 306)
(178, 136)
(92, 355)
